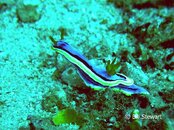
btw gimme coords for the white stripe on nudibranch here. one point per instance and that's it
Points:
(93, 76)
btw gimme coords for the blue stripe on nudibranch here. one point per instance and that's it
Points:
(66, 47)
(94, 77)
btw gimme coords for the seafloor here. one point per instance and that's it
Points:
(36, 83)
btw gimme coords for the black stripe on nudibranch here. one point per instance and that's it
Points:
(98, 79)
(87, 78)
(64, 46)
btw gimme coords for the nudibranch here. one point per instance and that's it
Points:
(95, 77)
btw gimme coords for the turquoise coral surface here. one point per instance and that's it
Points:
(36, 83)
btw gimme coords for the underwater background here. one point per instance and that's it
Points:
(41, 89)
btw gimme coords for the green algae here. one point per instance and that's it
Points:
(67, 116)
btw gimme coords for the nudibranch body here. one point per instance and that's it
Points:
(97, 78)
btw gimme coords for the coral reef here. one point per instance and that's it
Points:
(28, 10)
(36, 83)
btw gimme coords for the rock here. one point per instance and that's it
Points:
(8, 2)
(28, 10)
(171, 77)
(71, 77)
(112, 119)
(136, 73)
